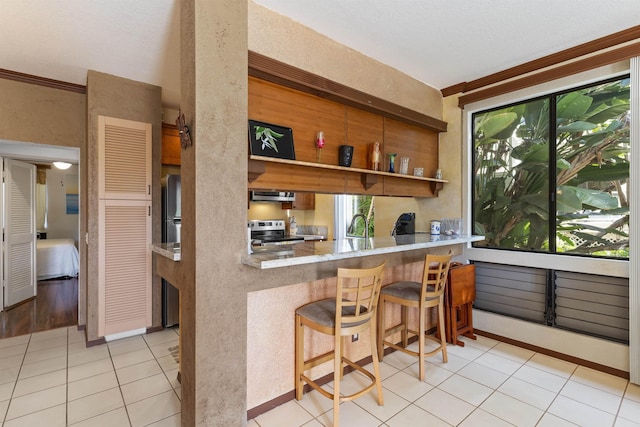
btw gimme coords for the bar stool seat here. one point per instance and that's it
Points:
(421, 295)
(351, 312)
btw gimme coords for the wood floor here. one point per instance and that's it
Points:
(55, 306)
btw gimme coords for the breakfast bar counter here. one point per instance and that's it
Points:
(266, 257)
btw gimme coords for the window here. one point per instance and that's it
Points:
(346, 207)
(551, 174)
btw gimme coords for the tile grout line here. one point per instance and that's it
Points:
(15, 384)
(115, 372)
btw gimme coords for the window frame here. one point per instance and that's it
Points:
(552, 186)
(593, 265)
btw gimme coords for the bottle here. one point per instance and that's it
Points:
(293, 228)
(375, 156)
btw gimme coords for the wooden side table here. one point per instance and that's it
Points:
(459, 295)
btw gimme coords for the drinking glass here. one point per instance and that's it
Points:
(404, 165)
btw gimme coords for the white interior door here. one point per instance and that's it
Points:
(19, 243)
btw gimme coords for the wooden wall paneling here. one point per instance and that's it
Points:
(305, 114)
(363, 128)
(421, 146)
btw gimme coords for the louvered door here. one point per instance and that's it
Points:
(124, 158)
(125, 273)
(125, 225)
(19, 244)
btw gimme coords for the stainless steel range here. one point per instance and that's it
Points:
(271, 232)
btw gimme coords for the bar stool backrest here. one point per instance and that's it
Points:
(434, 277)
(357, 296)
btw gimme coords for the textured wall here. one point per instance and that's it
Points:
(43, 115)
(281, 38)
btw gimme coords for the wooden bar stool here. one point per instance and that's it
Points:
(351, 312)
(429, 293)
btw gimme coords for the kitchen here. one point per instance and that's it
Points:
(304, 281)
(216, 283)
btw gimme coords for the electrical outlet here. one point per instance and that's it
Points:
(354, 337)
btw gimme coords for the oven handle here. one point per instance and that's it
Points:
(283, 242)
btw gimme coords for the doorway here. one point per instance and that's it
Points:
(56, 301)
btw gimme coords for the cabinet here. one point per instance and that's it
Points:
(303, 202)
(170, 145)
(124, 218)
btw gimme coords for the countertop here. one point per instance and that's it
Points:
(311, 252)
(167, 250)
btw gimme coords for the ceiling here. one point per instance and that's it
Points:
(439, 42)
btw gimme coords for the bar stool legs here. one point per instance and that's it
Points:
(352, 311)
(429, 293)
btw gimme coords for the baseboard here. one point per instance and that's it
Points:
(557, 355)
(155, 329)
(99, 341)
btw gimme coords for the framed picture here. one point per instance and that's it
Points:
(269, 140)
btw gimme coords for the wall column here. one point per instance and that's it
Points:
(214, 176)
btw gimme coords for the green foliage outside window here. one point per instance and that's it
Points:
(579, 142)
(363, 205)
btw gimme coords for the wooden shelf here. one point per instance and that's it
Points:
(368, 177)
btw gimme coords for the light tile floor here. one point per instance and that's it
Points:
(51, 379)
(485, 383)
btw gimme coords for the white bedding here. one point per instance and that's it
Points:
(56, 258)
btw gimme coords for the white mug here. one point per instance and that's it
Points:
(435, 227)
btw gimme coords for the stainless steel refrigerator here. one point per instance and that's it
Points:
(171, 223)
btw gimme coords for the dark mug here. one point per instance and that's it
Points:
(345, 155)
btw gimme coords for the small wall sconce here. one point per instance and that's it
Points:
(62, 165)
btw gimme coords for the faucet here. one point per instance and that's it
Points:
(366, 224)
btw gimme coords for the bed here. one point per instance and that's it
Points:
(56, 258)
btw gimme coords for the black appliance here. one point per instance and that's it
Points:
(405, 224)
(271, 232)
(171, 223)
